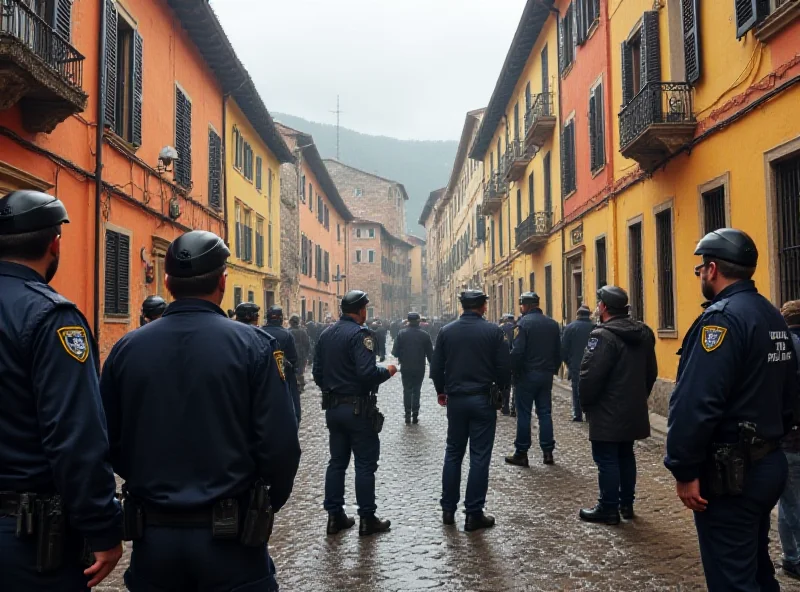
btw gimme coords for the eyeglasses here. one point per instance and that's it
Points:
(697, 268)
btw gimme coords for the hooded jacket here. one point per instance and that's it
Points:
(618, 372)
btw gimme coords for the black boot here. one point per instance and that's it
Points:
(547, 458)
(372, 524)
(519, 459)
(477, 521)
(448, 518)
(600, 514)
(626, 510)
(408, 419)
(339, 522)
(415, 418)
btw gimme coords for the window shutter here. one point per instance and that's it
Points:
(593, 130)
(138, 68)
(214, 169)
(691, 39)
(574, 31)
(238, 240)
(62, 18)
(110, 288)
(627, 74)
(564, 159)
(651, 50)
(748, 14)
(548, 188)
(123, 271)
(572, 168)
(183, 138)
(111, 64)
(562, 58)
(580, 18)
(600, 126)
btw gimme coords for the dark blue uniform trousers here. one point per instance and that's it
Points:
(348, 433)
(616, 472)
(469, 418)
(18, 565)
(575, 376)
(734, 531)
(534, 388)
(412, 385)
(171, 559)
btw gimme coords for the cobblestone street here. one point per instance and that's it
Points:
(538, 543)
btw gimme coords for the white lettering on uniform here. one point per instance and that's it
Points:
(780, 354)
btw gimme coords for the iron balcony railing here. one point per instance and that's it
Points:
(657, 102)
(22, 25)
(537, 224)
(495, 187)
(542, 107)
(514, 150)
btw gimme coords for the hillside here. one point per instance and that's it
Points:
(421, 166)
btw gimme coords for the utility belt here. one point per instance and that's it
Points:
(250, 521)
(729, 464)
(494, 394)
(362, 406)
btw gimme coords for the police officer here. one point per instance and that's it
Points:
(471, 355)
(286, 345)
(732, 403)
(199, 417)
(247, 313)
(573, 344)
(411, 348)
(303, 344)
(152, 308)
(53, 443)
(345, 371)
(535, 357)
(507, 323)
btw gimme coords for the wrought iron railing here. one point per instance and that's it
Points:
(20, 23)
(514, 150)
(537, 224)
(657, 102)
(495, 187)
(542, 107)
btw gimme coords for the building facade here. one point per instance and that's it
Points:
(418, 258)
(435, 271)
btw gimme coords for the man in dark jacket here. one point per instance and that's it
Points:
(380, 339)
(617, 374)
(303, 344)
(507, 324)
(573, 344)
(411, 348)
(286, 345)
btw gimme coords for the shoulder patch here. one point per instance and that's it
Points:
(592, 343)
(369, 343)
(516, 332)
(279, 356)
(712, 336)
(75, 342)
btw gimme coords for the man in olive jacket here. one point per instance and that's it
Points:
(618, 371)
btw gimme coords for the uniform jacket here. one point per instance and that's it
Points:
(573, 344)
(344, 360)
(52, 426)
(412, 347)
(286, 344)
(198, 409)
(537, 344)
(617, 373)
(380, 340)
(470, 355)
(508, 329)
(303, 344)
(737, 364)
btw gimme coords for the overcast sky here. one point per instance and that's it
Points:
(408, 69)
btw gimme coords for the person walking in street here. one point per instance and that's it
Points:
(247, 313)
(535, 358)
(573, 344)
(734, 400)
(411, 348)
(616, 375)
(380, 339)
(345, 371)
(789, 508)
(53, 441)
(507, 324)
(470, 360)
(303, 345)
(287, 346)
(152, 308)
(200, 423)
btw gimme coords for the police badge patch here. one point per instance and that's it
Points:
(592, 343)
(75, 342)
(712, 337)
(278, 355)
(516, 332)
(369, 343)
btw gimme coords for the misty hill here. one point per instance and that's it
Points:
(421, 166)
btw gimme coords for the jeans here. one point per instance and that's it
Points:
(469, 418)
(168, 559)
(616, 472)
(734, 531)
(348, 433)
(412, 384)
(535, 388)
(577, 412)
(789, 512)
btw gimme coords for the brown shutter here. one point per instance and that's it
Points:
(651, 50)
(111, 64)
(748, 14)
(627, 73)
(138, 69)
(691, 39)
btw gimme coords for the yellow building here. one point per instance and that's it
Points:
(418, 259)
(253, 157)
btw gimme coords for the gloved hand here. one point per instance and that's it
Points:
(442, 400)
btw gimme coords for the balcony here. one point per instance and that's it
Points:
(494, 191)
(38, 69)
(540, 121)
(532, 232)
(515, 161)
(657, 123)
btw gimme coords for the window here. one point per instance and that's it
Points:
(358, 192)
(214, 170)
(568, 172)
(117, 273)
(751, 12)
(251, 296)
(320, 209)
(371, 312)
(530, 194)
(519, 207)
(124, 70)
(371, 233)
(358, 255)
(258, 174)
(358, 233)
(548, 290)
(303, 254)
(247, 236)
(238, 149)
(237, 296)
(259, 241)
(532, 280)
(183, 139)
(548, 193)
(664, 254)
(500, 230)
(370, 256)
(521, 290)
(714, 209)
(787, 199)
(492, 249)
(528, 97)
(635, 265)
(326, 265)
(587, 12)
(327, 222)
(567, 39)
(303, 190)
(269, 244)
(338, 233)
(641, 57)
(237, 209)
(601, 263)
(690, 9)
(247, 164)
(596, 128)
(310, 197)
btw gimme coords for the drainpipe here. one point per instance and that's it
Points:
(560, 151)
(98, 170)
(224, 177)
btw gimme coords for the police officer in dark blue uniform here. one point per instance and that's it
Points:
(286, 345)
(535, 357)
(200, 420)
(53, 442)
(411, 348)
(471, 355)
(152, 308)
(733, 401)
(246, 312)
(345, 371)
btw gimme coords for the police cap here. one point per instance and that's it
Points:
(246, 311)
(354, 301)
(29, 211)
(507, 317)
(613, 297)
(529, 298)
(413, 317)
(275, 312)
(153, 306)
(729, 244)
(472, 297)
(195, 253)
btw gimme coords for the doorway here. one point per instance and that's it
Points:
(574, 296)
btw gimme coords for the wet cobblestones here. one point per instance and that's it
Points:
(538, 543)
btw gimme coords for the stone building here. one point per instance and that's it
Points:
(419, 274)
(291, 174)
(435, 273)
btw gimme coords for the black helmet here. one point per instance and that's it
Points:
(153, 307)
(413, 317)
(275, 313)
(247, 311)
(529, 298)
(354, 301)
(613, 297)
(294, 319)
(471, 297)
(729, 244)
(195, 253)
(29, 211)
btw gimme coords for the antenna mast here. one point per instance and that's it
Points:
(338, 112)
